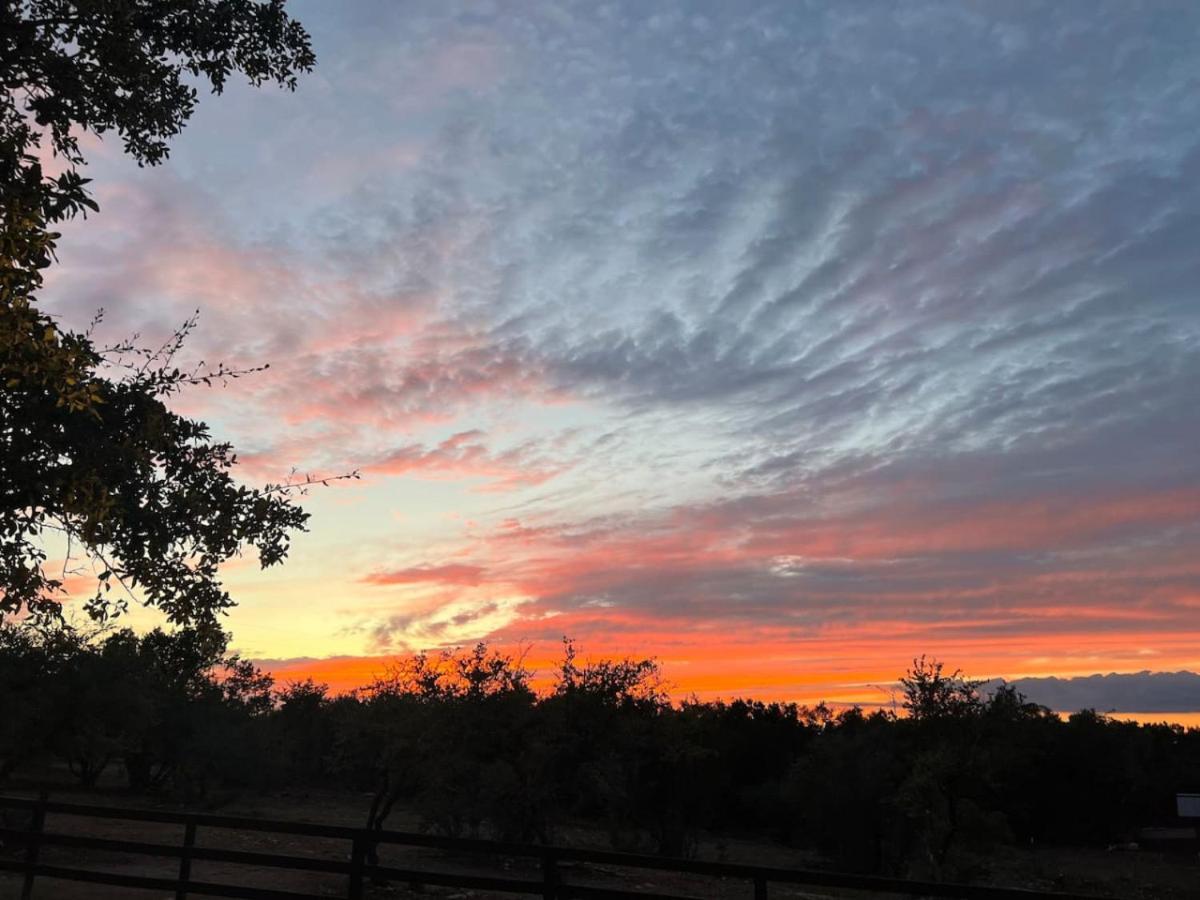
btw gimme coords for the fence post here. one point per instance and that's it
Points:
(185, 859)
(358, 854)
(36, 826)
(760, 887)
(550, 876)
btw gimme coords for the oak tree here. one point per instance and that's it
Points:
(89, 449)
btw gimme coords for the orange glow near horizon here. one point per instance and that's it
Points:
(760, 671)
(1186, 719)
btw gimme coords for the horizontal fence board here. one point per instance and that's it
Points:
(239, 823)
(273, 860)
(203, 888)
(207, 854)
(112, 845)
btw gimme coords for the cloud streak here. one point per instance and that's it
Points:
(776, 317)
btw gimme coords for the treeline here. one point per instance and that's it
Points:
(463, 740)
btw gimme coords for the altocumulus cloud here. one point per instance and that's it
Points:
(808, 316)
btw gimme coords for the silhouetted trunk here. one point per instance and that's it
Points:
(88, 771)
(139, 771)
(381, 808)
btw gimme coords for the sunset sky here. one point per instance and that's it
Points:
(781, 341)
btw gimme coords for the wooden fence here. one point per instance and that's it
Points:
(551, 885)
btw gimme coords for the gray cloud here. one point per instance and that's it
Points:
(804, 267)
(1153, 692)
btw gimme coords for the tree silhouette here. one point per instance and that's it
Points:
(458, 741)
(94, 456)
(932, 695)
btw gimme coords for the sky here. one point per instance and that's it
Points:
(781, 341)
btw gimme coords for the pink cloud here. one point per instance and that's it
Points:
(452, 573)
(464, 455)
(1066, 569)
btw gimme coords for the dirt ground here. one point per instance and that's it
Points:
(1133, 875)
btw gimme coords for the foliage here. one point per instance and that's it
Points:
(146, 491)
(129, 66)
(460, 739)
(88, 448)
(94, 699)
(930, 695)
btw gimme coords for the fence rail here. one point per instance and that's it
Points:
(356, 869)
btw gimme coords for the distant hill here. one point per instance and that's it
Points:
(1136, 692)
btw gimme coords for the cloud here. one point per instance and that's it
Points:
(463, 455)
(451, 573)
(784, 560)
(1152, 692)
(768, 317)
